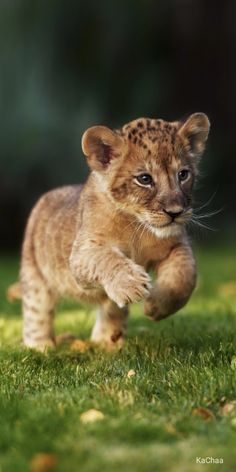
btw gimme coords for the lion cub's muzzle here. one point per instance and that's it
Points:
(173, 214)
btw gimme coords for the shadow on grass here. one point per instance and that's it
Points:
(187, 333)
(183, 332)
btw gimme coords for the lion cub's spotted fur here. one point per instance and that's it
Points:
(96, 242)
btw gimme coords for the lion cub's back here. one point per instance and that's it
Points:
(50, 233)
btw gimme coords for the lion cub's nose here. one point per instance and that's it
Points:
(174, 213)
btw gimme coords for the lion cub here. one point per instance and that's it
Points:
(96, 242)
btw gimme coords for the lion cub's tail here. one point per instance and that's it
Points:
(14, 292)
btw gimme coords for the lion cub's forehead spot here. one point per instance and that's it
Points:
(151, 134)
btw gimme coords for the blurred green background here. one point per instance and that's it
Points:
(68, 65)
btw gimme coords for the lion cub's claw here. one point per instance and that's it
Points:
(129, 287)
(157, 312)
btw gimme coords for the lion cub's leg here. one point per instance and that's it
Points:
(110, 325)
(176, 279)
(38, 306)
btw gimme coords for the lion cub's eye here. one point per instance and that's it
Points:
(183, 175)
(144, 179)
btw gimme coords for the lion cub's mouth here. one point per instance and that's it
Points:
(164, 229)
(167, 230)
(180, 220)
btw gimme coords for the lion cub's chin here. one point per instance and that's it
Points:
(173, 229)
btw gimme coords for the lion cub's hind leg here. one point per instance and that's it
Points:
(110, 326)
(38, 309)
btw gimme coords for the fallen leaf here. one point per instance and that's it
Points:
(228, 288)
(81, 346)
(14, 292)
(91, 416)
(204, 413)
(228, 408)
(170, 429)
(131, 373)
(43, 462)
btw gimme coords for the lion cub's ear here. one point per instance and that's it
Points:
(101, 145)
(194, 132)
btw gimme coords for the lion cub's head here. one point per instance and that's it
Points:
(148, 167)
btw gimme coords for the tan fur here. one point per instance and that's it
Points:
(96, 242)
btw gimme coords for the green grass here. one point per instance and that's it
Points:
(185, 362)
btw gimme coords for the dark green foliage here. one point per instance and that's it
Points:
(67, 66)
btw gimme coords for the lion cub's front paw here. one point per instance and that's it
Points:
(41, 346)
(153, 311)
(129, 287)
(162, 304)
